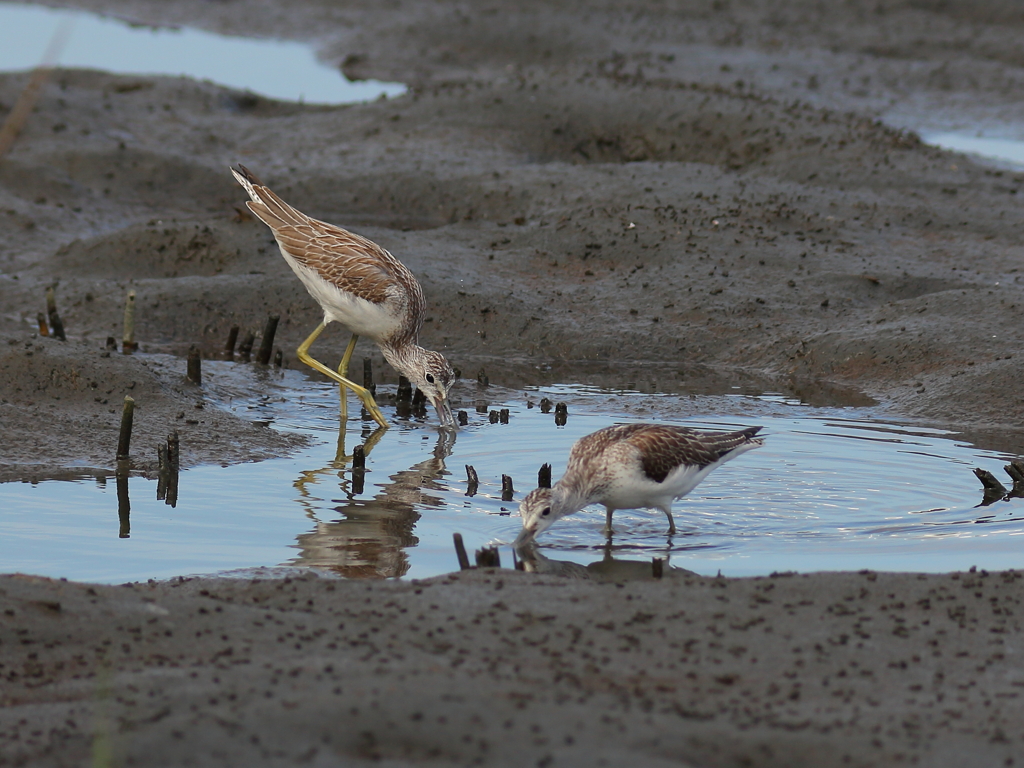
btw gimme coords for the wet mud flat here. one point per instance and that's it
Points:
(504, 668)
(633, 187)
(647, 198)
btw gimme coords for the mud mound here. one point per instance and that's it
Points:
(621, 114)
(86, 386)
(872, 288)
(172, 249)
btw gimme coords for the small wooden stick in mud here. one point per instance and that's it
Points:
(128, 344)
(174, 452)
(56, 325)
(463, 418)
(368, 375)
(267, 342)
(472, 482)
(488, 557)
(1016, 471)
(404, 394)
(561, 414)
(507, 490)
(229, 345)
(419, 403)
(544, 476)
(245, 348)
(44, 328)
(125, 438)
(194, 370)
(460, 552)
(993, 489)
(173, 464)
(358, 469)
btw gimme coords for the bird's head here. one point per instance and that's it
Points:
(539, 509)
(434, 378)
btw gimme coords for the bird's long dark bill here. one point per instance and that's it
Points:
(444, 412)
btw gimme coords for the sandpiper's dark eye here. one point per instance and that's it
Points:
(430, 378)
(545, 512)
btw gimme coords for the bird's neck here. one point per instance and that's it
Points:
(403, 358)
(568, 496)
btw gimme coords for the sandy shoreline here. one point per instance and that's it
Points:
(726, 187)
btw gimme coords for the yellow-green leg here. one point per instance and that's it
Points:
(343, 372)
(361, 392)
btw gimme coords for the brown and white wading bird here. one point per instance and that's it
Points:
(361, 286)
(632, 466)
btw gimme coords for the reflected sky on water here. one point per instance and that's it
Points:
(833, 488)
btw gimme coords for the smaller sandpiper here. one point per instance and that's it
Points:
(360, 285)
(632, 466)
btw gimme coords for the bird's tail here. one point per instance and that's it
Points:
(732, 444)
(248, 180)
(270, 208)
(749, 433)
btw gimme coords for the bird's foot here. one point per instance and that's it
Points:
(373, 410)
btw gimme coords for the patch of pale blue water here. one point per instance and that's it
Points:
(832, 489)
(1007, 153)
(277, 69)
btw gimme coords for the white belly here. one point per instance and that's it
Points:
(632, 490)
(360, 316)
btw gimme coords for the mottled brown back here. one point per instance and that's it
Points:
(663, 447)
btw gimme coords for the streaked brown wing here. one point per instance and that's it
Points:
(663, 448)
(349, 261)
(353, 263)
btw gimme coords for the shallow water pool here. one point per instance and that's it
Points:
(1003, 152)
(278, 69)
(833, 488)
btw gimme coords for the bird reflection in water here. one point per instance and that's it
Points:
(608, 568)
(371, 537)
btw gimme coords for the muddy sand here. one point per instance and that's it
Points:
(730, 190)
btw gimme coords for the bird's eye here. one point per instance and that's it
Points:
(545, 512)
(430, 378)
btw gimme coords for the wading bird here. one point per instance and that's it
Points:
(361, 286)
(632, 466)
